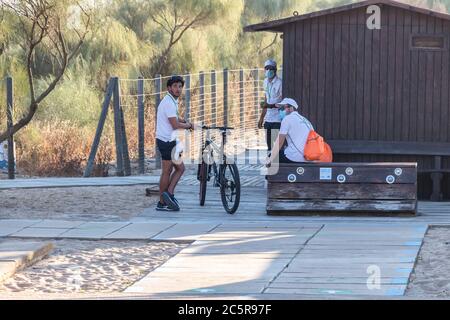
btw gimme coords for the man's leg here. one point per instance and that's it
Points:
(176, 176)
(164, 182)
(274, 131)
(268, 136)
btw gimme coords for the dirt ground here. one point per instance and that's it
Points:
(80, 203)
(80, 267)
(431, 276)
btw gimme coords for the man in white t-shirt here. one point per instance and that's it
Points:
(270, 117)
(294, 130)
(167, 124)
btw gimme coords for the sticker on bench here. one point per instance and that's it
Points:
(390, 179)
(398, 172)
(326, 173)
(292, 178)
(300, 171)
(349, 171)
(341, 178)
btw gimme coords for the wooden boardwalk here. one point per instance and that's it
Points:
(253, 208)
(252, 254)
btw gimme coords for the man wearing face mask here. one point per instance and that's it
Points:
(270, 117)
(295, 130)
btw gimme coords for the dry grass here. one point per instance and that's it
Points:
(60, 149)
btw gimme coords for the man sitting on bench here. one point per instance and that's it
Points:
(294, 130)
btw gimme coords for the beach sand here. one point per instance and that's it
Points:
(79, 267)
(79, 203)
(431, 276)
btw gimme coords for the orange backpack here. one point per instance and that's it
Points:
(316, 149)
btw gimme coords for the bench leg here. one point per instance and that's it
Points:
(437, 178)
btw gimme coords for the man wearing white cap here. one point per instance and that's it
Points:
(270, 117)
(295, 130)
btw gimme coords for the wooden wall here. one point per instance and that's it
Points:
(359, 84)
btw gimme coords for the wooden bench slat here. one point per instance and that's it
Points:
(342, 191)
(390, 147)
(361, 206)
(360, 174)
(354, 164)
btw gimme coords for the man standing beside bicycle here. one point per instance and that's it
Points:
(270, 118)
(167, 125)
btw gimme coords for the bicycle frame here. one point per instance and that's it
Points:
(218, 149)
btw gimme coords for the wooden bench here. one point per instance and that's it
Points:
(436, 150)
(343, 188)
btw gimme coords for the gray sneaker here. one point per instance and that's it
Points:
(170, 202)
(162, 207)
(175, 200)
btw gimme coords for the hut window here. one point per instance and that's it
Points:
(428, 42)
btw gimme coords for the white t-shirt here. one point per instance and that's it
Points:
(168, 108)
(297, 129)
(274, 94)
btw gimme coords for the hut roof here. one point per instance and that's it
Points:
(277, 25)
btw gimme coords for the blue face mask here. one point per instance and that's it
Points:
(270, 74)
(282, 114)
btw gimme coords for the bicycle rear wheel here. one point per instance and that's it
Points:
(203, 178)
(230, 187)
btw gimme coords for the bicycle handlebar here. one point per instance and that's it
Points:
(217, 128)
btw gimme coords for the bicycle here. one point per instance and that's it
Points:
(226, 175)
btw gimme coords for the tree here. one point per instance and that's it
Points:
(174, 18)
(40, 22)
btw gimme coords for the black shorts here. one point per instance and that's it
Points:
(166, 149)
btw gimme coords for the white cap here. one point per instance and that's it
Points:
(270, 63)
(288, 101)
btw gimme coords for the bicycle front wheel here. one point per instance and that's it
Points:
(230, 187)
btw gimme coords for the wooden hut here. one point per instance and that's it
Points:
(373, 77)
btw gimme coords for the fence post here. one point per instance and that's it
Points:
(242, 112)
(213, 98)
(256, 92)
(187, 112)
(117, 129)
(202, 97)
(101, 124)
(126, 154)
(141, 125)
(225, 97)
(241, 98)
(158, 87)
(9, 114)
(123, 134)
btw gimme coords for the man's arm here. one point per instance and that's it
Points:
(179, 125)
(261, 118)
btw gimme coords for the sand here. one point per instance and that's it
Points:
(79, 203)
(78, 267)
(431, 276)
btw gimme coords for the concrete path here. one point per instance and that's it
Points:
(295, 260)
(55, 229)
(76, 182)
(16, 255)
